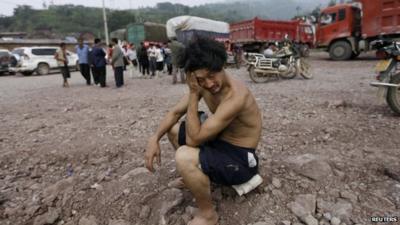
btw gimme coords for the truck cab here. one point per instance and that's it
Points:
(338, 29)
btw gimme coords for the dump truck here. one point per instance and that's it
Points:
(185, 28)
(346, 30)
(254, 34)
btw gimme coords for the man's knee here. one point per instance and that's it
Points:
(186, 157)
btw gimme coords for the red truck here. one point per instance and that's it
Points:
(346, 30)
(254, 34)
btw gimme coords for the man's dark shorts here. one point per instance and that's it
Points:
(223, 162)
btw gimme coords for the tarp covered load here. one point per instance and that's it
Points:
(184, 28)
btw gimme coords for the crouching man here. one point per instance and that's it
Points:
(218, 149)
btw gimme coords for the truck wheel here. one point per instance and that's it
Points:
(355, 55)
(393, 95)
(43, 69)
(340, 50)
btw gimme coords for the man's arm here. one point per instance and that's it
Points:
(197, 133)
(172, 117)
(153, 148)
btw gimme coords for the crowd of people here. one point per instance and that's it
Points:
(149, 60)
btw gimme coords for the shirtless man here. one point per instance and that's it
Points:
(222, 148)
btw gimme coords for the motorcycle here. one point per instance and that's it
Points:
(286, 63)
(388, 78)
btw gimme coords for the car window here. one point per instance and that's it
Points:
(44, 51)
(18, 51)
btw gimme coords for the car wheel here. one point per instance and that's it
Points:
(43, 69)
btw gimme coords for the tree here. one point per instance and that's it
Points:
(332, 3)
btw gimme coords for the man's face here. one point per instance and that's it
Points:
(80, 41)
(210, 81)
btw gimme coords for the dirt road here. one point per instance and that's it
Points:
(329, 152)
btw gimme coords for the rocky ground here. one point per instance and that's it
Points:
(329, 152)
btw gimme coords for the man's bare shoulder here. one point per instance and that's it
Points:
(239, 90)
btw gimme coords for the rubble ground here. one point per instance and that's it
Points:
(329, 152)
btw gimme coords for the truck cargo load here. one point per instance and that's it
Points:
(254, 34)
(346, 30)
(146, 32)
(185, 28)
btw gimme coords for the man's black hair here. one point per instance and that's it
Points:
(97, 40)
(203, 53)
(114, 40)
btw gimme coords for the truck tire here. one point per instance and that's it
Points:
(393, 95)
(354, 55)
(340, 50)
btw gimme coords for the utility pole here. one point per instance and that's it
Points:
(105, 24)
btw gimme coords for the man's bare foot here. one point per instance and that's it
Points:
(205, 218)
(177, 183)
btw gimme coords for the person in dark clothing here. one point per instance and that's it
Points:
(143, 60)
(99, 62)
(82, 50)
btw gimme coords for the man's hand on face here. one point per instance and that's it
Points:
(193, 83)
(152, 152)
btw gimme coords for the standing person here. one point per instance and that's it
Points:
(92, 68)
(144, 60)
(132, 56)
(82, 50)
(152, 53)
(117, 61)
(159, 60)
(176, 51)
(168, 59)
(222, 148)
(62, 61)
(99, 62)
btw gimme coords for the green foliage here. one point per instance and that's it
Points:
(71, 19)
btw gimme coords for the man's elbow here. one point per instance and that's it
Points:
(192, 142)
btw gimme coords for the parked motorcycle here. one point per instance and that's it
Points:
(388, 73)
(286, 63)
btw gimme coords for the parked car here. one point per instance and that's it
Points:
(5, 60)
(40, 60)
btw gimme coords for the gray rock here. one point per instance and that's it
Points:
(276, 182)
(297, 209)
(308, 201)
(335, 221)
(264, 223)
(309, 220)
(343, 210)
(91, 220)
(135, 172)
(118, 222)
(145, 212)
(311, 166)
(48, 218)
(327, 216)
(350, 196)
(285, 222)
(171, 198)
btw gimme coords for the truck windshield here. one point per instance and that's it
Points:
(328, 18)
